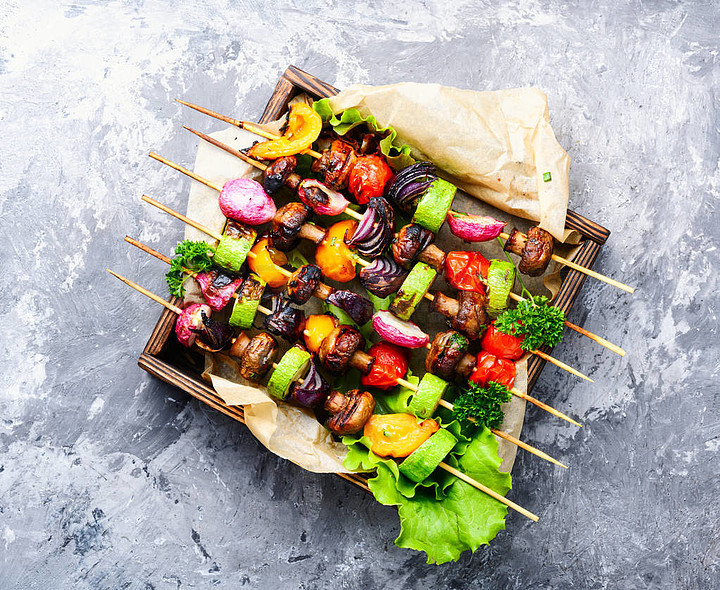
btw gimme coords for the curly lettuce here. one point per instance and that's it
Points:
(398, 157)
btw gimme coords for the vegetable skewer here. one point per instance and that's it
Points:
(503, 235)
(442, 465)
(602, 341)
(514, 391)
(429, 296)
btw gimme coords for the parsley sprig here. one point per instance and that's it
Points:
(535, 319)
(482, 404)
(189, 255)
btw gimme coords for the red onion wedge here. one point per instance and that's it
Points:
(376, 229)
(383, 277)
(320, 198)
(190, 320)
(474, 228)
(246, 201)
(398, 331)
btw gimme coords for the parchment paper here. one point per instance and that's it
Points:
(293, 433)
(495, 145)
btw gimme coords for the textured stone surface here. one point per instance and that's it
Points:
(109, 478)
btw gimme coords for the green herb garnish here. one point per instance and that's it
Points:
(189, 255)
(482, 404)
(539, 322)
(547, 177)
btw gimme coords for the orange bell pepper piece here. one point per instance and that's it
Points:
(317, 328)
(397, 435)
(304, 126)
(334, 258)
(265, 262)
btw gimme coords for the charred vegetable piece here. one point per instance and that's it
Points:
(292, 367)
(368, 178)
(413, 290)
(313, 391)
(246, 201)
(189, 321)
(258, 357)
(410, 184)
(491, 368)
(238, 347)
(504, 346)
(320, 198)
(515, 242)
(466, 270)
(434, 205)
(265, 262)
(428, 395)
(214, 336)
(446, 351)
(303, 128)
(333, 256)
(338, 348)
(501, 277)
(302, 283)
(537, 252)
(390, 364)
(383, 277)
(336, 164)
(233, 249)
(217, 287)
(286, 226)
(429, 455)
(246, 303)
(397, 435)
(278, 172)
(376, 229)
(397, 331)
(357, 307)
(410, 241)
(349, 411)
(466, 314)
(285, 321)
(474, 228)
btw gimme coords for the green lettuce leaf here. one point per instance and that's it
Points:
(449, 516)
(398, 157)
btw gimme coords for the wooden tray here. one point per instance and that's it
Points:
(166, 359)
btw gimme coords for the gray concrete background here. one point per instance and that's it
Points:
(111, 479)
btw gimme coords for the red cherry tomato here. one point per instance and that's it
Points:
(368, 178)
(491, 368)
(501, 345)
(391, 363)
(464, 269)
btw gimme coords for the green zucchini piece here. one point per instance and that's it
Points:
(420, 464)
(234, 246)
(292, 367)
(500, 281)
(433, 206)
(246, 303)
(413, 289)
(428, 395)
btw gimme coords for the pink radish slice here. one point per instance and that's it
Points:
(190, 318)
(398, 331)
(474, 228)
(246, 201)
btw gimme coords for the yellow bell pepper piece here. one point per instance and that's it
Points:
(397, 435)
(304, 126)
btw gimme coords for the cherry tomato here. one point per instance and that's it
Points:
(317, 328)
(464, 269)
(391, 363)
(265, 263)
(491, 368)
(333, 256)
(501, 345)
(368, 178)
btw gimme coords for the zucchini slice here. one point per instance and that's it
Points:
(247, 302)
(292, 367)
(500, 281)
(426, 399)
(433, 207)
(234, 246)
(412, 291)
(420, 464)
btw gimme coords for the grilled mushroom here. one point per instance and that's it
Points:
(338, 348)
(279, 172)
(285, 321)
(409, 242)
(335, 164)
(286, 225)
(302, 283)
(258, 357)
(466, 314)
(537, 253)
(446, 351)
(348, 411)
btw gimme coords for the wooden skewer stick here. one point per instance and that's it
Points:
(247, 125)
(459, 474)
(488, 491)
(248, 160)
(587, 271)
(185, 171)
